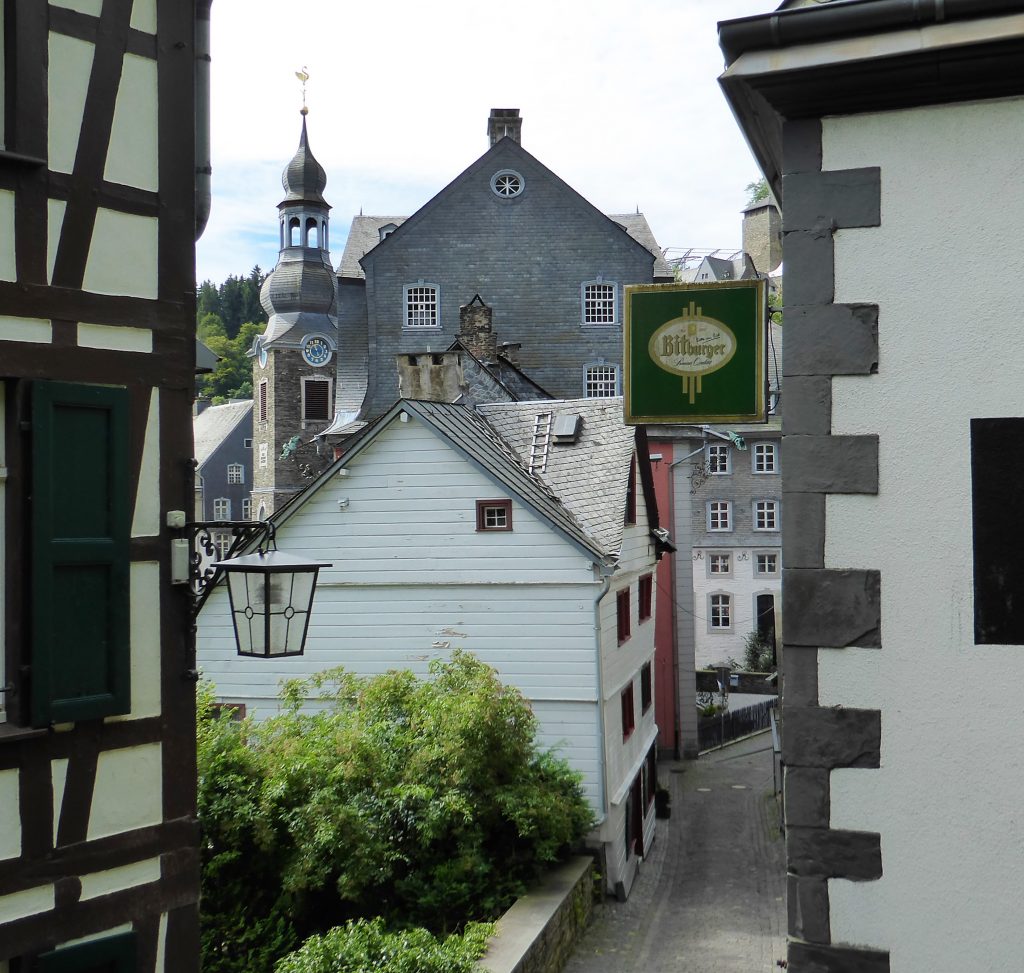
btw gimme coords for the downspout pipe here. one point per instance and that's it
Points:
(848, 18)
(606, 572)
(204, 168)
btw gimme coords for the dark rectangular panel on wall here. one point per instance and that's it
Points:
(80, 528)
(997, 512)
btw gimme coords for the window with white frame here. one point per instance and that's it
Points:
(222, 544)
(719, 515)
(247, 509)
(719, 458)
(765, 458)
(719, 564)
(599, 302)
(236, 473)
(264, 454)
(222, 509)
(766, 563)
(766, 515)
(421, 306)
(720, 612)
(601, 381)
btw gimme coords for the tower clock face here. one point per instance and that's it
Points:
(316, 350)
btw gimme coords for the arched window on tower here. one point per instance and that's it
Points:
(323, 235)
(311, 232)
(294, 230)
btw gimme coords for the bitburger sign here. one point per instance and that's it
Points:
(695, 352)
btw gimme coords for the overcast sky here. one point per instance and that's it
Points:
(618, 97)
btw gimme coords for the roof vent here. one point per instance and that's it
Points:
(567, 428)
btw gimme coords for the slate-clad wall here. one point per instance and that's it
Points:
(526, 257)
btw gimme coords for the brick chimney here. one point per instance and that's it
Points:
(476, 332)
(504, 121)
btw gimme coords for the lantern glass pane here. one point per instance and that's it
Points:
(242, 615)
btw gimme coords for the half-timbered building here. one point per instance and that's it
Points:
(98, 217)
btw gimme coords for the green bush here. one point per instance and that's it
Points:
(362, 946)
(758, 652)
(425, 802)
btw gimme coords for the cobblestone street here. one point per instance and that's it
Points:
(710, 897)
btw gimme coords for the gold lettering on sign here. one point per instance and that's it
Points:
(692, 346)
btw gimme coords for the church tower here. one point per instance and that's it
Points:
(293, 373)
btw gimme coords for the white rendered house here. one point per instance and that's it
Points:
(442, 537)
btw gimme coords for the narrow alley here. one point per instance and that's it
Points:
(711, 896)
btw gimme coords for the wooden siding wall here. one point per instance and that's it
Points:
(414, 579)
(97, 287)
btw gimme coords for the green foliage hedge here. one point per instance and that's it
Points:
(425, 802)
(363, 946)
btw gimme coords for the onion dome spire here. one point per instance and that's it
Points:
(304, 179)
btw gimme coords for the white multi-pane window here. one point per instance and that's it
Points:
(720, 614)
(247, 509)
(222, 542)
(765, 458)
(264, 453)
(767, 563)
(719, 564)
(719, 459)
(601, 382)
(421, 306)
(599, 303)
(222, 509)
(766, 515)
(236, 473)
(719, 515)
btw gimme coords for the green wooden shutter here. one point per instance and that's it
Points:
(80, 532)
(114, 954)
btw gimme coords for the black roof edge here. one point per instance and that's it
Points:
(848, 18)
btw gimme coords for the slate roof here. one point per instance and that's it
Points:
(591, 476)
(213, 425)
(363, 236)
(636, 225)
(478, 439)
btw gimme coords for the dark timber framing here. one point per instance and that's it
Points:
(60, 852)
(826, 609)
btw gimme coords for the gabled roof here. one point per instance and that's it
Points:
(469, 433)
(506, 147)
(636, 225)
(213, 425)
(591, 475)
(363, 236)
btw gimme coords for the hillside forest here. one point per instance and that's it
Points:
(228, 317)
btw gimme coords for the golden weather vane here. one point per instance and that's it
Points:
(303, 76)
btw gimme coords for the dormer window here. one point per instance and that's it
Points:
(387, 229)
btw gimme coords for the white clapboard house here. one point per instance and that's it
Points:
(526, 533)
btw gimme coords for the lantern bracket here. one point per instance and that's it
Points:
(202, 576)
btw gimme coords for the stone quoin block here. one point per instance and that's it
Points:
(839, 198)
(801, 146)
(807, 902)
(803, 530)
(828, 853)
(807, 797)
(829, 737)
(815, 958)
(833, 608)
(807, 404)
(831, 339)
(799, 674)
(810, 267)
(832, 464)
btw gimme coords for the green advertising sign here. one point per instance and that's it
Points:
(695, 352)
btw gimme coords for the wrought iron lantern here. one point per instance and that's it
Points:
(271, 596)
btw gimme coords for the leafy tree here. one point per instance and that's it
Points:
(757, 191)
(232, 376)
(424, 802)
(235, 302)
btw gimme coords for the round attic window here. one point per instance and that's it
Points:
(507, 183)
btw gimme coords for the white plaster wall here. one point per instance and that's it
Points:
(128, 792)
(67, 84)
(10, 815)
(132, 153)
(8, 264)
(146, 517)
(54, 223)
(948, 799)
(122, 255)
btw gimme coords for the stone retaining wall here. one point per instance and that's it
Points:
(540, 931)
